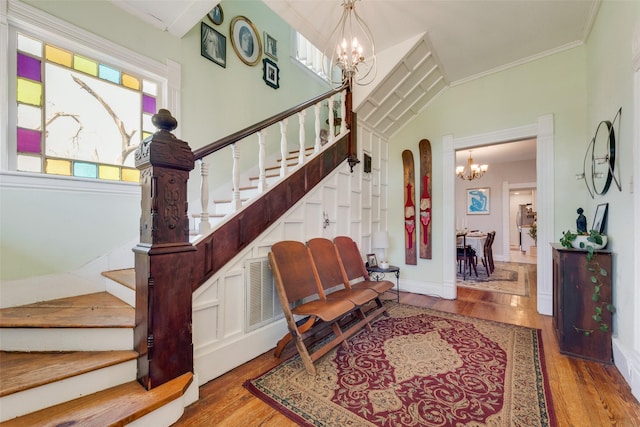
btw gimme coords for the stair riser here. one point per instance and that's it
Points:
(34, 399)
(67, 339)
(124, 293)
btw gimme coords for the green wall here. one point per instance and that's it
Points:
(610, 87)
(515, 97)
(47, 231)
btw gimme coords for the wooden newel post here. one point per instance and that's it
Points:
(163, 258)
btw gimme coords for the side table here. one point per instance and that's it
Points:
(377, 273)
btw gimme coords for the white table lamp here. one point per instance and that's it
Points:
(380, 242)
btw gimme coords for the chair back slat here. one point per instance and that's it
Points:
(325, 258)
(351, 258)
(292, 261)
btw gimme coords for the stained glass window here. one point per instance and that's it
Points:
(77, 116)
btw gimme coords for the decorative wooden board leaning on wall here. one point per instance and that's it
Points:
(425, 198)
(409, 209)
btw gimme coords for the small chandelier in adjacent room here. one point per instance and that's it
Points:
(474, 171)
(350, 53)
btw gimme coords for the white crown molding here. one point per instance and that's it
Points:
(34, 20)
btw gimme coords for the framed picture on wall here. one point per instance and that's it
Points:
(216, 15)
(478, 201)
(245, 40)
(271, 73)
(213, 45)
(270, 46)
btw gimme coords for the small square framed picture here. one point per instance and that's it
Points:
(270, 46)
(372, 260)
(271, 73)
(478, 201)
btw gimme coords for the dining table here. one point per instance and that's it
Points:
(473, 239)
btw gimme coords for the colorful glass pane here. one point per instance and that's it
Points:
(29, 45)
(29, 92)
(73, 129)
(85, 170)
(148, 104)
(147, 123)
(29, 117)
(150, 88)
(130, 82)
(85, 65)
(58, 167)
(29, 141)
(29, 164)
(58, 56)
(108, 73)
(29, 67)
(130, 175)
(109, 172)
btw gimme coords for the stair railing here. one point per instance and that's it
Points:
(337, 103)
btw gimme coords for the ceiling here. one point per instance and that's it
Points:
(423, 46)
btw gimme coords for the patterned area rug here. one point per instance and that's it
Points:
(508, 278)
(419, 367)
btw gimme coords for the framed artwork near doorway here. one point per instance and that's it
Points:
(478, 201)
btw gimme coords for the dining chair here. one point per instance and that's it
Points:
(486, 248)
(490, 238)
(466, 258)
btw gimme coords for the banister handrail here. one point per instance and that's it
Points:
(221, 143)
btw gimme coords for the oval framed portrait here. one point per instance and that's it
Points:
(216, 15)
(245, 40)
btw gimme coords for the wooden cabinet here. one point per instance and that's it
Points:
(573, 306)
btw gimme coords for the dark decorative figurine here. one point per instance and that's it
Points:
(581, 222)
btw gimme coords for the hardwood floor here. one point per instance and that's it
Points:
(584, 393)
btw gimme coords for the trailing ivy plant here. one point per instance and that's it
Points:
(597, 272)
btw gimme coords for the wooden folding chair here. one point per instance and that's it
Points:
(296, 281)
(333, 278)
(354, 268)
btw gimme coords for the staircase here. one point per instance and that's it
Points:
(71, 361)
(224, 207)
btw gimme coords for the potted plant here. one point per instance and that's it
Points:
(591, 243)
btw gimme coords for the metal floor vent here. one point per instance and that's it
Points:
(263, 304)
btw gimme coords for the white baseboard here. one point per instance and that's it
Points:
(211, 361)
(441, 290)
(628, 363)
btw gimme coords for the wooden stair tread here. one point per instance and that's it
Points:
(98, 310)
(21, 371)
(116, 406)
(273, 175)
(126, 277)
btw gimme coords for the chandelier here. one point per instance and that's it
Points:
(348, 60)
(474, 172)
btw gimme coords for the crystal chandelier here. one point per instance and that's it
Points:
(474, 172)
(348, 60)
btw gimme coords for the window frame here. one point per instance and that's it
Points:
(19, 17)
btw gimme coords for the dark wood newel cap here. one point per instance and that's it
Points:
(163, 120)
(163, 148)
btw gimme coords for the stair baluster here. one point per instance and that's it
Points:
(262, 176)
(301, 136)
(235, 154)
(283, 147)
(204, 198)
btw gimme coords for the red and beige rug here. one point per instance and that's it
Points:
(508, 277)
(419, 367)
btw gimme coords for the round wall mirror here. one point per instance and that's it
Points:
(603, 156)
